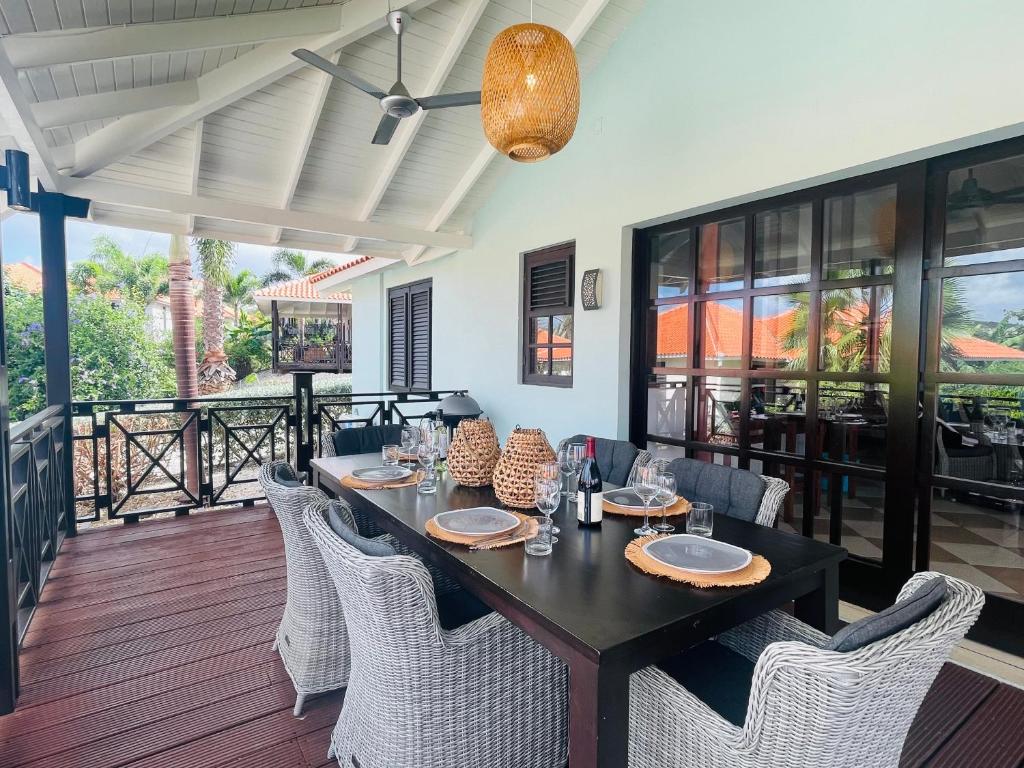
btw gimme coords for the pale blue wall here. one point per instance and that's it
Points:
(699, 103)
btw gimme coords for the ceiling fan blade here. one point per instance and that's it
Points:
(449, 100)
(341, 73)
(385, 129)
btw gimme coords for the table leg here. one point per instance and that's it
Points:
(820, 608)
(598, 715)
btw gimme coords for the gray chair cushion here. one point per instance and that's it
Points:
(285, 475)
(893, 619)
(614, 457)
(337, 518)
(369, 547)
(349, 442)
(733, 492)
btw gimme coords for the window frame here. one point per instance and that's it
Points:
(565, 252)
(408, 290)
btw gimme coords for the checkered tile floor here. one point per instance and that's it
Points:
(977, 543)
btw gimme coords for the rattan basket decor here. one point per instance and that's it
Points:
(525, 450)
(473, 453)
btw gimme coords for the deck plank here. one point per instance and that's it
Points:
(152, 649)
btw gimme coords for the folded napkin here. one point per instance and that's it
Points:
(354, 482)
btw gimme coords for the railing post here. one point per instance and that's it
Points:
(303, 389)
(53, 209)
(8, 578)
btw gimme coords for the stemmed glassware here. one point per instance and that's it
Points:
(410, 439)
(426, 452)
(549, 472)
(645, 484)
(666, 494)
(565, 467)
(576, 453)
(546, 497)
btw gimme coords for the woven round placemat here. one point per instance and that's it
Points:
(354, 482)
(681, 507)
(456, 538)
(754, 573)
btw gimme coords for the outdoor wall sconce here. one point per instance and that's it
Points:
(590, 289)
(14, 178)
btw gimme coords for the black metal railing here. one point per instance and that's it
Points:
(134, 458)
(39, 505)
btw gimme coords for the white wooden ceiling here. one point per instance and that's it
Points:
(192, 116)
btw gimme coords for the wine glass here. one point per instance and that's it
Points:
(410, 439)
(666, 494)
(564, 466)
(549, 472)
(546, 496)
(645, 484)
(427, 454)
(577, 452)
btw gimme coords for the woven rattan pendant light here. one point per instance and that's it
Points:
(530, 97)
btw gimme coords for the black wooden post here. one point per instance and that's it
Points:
(8, 578)
(53, 209)
(303, 388)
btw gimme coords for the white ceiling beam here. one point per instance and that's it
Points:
(17, 114)
(408, 128)
(577, 28)
(214, 208)
(304, 135)
(70, 46)
(197, 155)
(226, 84)
(100, 106)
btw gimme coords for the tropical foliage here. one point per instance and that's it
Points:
(248, 345)
(215, 260)
(238, 291)
(290, 265)
(112, 272)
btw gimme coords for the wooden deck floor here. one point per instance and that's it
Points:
(153, 648)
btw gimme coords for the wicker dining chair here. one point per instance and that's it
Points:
(617, 459)
(758, 502)
(482, 695)
(808, 705)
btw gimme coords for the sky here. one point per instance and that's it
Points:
(20, 235)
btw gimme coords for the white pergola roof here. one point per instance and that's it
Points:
(192, 116)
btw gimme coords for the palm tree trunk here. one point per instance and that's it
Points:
(183, 330)
(215, 375)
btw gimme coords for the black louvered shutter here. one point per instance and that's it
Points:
(419, 336)
(409, 336)
(547, 298)
(550, 286)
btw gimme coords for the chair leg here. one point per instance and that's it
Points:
(300, 700)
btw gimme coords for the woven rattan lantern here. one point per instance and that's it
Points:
(530, 97)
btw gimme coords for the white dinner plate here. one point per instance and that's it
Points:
(476, 521)
(698, 554)
(627, 498)
(381, 474)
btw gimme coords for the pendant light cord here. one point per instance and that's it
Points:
(531, 11)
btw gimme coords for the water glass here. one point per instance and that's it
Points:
(541, 543)
(701, 519)
(389, 455)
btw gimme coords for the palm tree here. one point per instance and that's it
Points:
(289, 265)
(184, 338)
(110, 270)
(238, 291)
(215, 259)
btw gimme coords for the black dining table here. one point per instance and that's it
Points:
(588, 605)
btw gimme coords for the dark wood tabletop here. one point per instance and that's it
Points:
(588, 604)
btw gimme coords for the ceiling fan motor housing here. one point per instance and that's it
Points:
(399, 105)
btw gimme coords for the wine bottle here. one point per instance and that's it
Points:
(590, 502)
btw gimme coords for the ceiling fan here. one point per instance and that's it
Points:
(396, 103)
(972, 195)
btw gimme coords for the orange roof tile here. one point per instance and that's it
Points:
(26, 276)
(304, 287)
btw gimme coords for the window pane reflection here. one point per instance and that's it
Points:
(860, 234)
(980, 433)
(718, 411)
(983, 324)
(670, 265)
(853, 422)
(778, 418)
(721, 255)
(782, 246)
(672, 334)
(666, 407)
(722, 340)
(779, 336)
(985, 213)
(855, 329)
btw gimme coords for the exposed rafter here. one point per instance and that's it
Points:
(16, 112)
(197, 154)
(194, 205)
(409, 127)
(576, 30)
(68, 46)
(232, 81)
(305, 138)
(99, 106)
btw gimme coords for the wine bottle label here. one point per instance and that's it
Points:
(594, 502)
